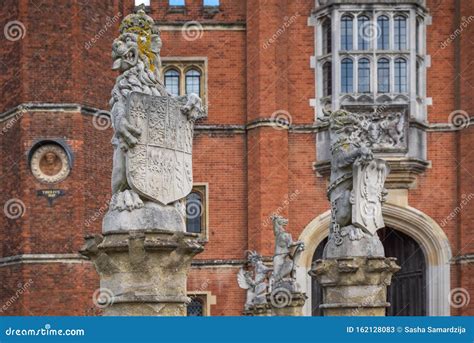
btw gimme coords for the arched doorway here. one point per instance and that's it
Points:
(407, 293)
(404, 219)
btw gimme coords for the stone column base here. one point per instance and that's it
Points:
(143, 273)
(286, 303)
(262, 310)
(354, 286)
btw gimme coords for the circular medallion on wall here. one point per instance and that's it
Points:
(50, 163)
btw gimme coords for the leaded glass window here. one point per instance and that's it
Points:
(347, 75)
(172, 82)
(400, 32)
(327, 78)
(193, 82)
(346, 33)
(383, 33)
(364, 75)
(195, 308)
(400, 75)
(383, 75)
(194, 212)
(327, 37)
(364, 32)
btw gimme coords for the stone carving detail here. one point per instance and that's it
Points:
(356, 190)
(368, 195)
(152, 130)
(383, 130)
(286, 255)
(50, 164)
(254, 278)
(159, 165)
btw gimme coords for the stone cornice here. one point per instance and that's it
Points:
(42, 258)
(78, 258)
(228, 128)
(463, 259)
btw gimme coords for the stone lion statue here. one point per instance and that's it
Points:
(348, 148)
(136, 55)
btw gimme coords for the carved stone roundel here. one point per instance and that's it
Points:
(50, 164)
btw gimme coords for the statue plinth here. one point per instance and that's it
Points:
(260, 310)
(354, 286)
(143, 273)
(287, 304)
(145, 253)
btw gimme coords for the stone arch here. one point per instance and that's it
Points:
(423, 229)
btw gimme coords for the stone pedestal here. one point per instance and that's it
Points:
(354, 286)
(142, 273)
(262, 310)
(288, 304)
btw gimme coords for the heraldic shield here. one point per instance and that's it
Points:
(159, 167)
(368, 187)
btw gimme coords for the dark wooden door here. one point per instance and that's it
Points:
(407, 293)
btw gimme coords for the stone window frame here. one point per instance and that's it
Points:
(417, 20)
(182, 65)
(203, 189)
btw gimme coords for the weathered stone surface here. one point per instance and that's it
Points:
(152, 216)
(144, 254)
(254, 278)
(144, 272)
(355, 274)
(261, 310)
(159, 166)
(153, 131)
(356, 190)
(367, 246)
(287, 304)
(354, 286)
(285, 257)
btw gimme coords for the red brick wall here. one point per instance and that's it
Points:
(250, 175)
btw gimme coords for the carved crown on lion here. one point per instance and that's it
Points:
(149, 41)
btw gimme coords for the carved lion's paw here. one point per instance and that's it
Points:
(355, 234)
(126, 200)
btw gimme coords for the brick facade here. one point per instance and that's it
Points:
(251, 171)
